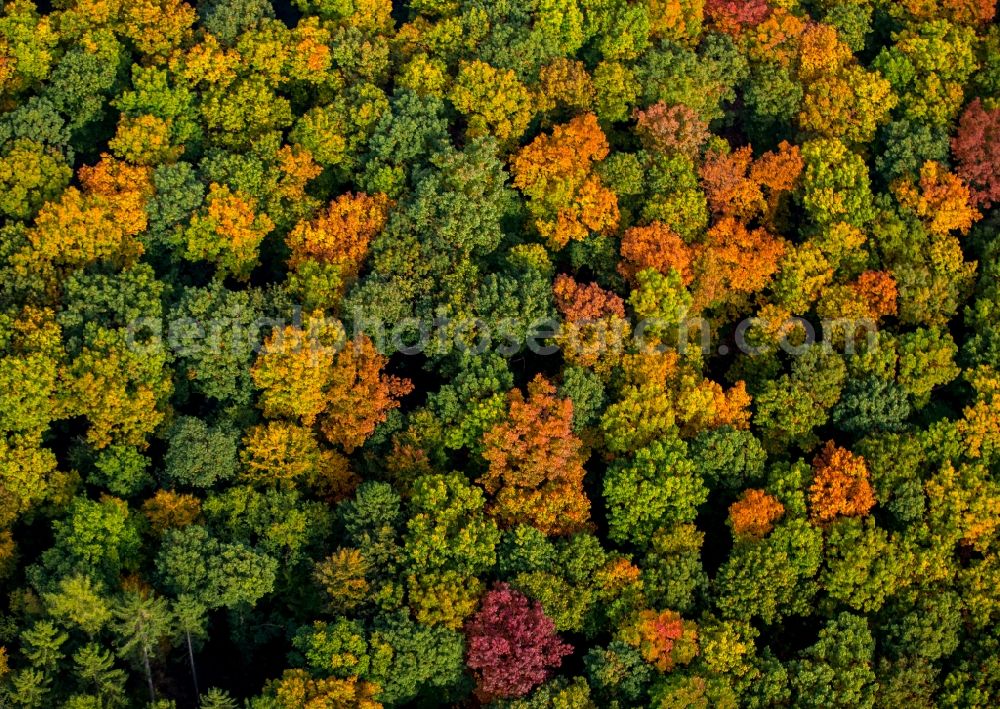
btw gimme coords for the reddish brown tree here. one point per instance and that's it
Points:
(732, 16)
(585, 302)
(671, 129)
(729, 190)
(976, 147)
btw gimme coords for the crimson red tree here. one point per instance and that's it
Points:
(512, 645)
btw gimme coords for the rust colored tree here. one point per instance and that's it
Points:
(536, 464)
(585, 302)
(976, 147)
(736, 260)
(655, 246)
(671, 129)
(342, 233)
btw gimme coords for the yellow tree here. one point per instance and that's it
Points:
(304, 375)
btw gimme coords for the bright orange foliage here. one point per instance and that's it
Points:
(97, 223)
(663, 637)
(736, 259)
(877, 289)
(754, 514)
(777, 173)
(342, 233)
(840, 485)
(536, 463)
(124, 187)
(655, 246)
(730, 192)
(554, 172)
(940, 198)
(776, 39)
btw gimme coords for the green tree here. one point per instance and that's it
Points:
(142, 623)
(837, 670)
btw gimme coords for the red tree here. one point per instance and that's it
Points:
(731, 16)
(512, 644)
(977, 149)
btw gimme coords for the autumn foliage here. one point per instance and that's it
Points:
(536, 463)
(655, 246)
(841, 485)
(754, 514)
(585, 302)
(556, 173)
(669, 129)
(976, 146)
(663, 637)
(342, 233)
(531, 354)
(940, 198)
(303, 375)
(512, 644)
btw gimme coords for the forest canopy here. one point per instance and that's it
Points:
(531, 354)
